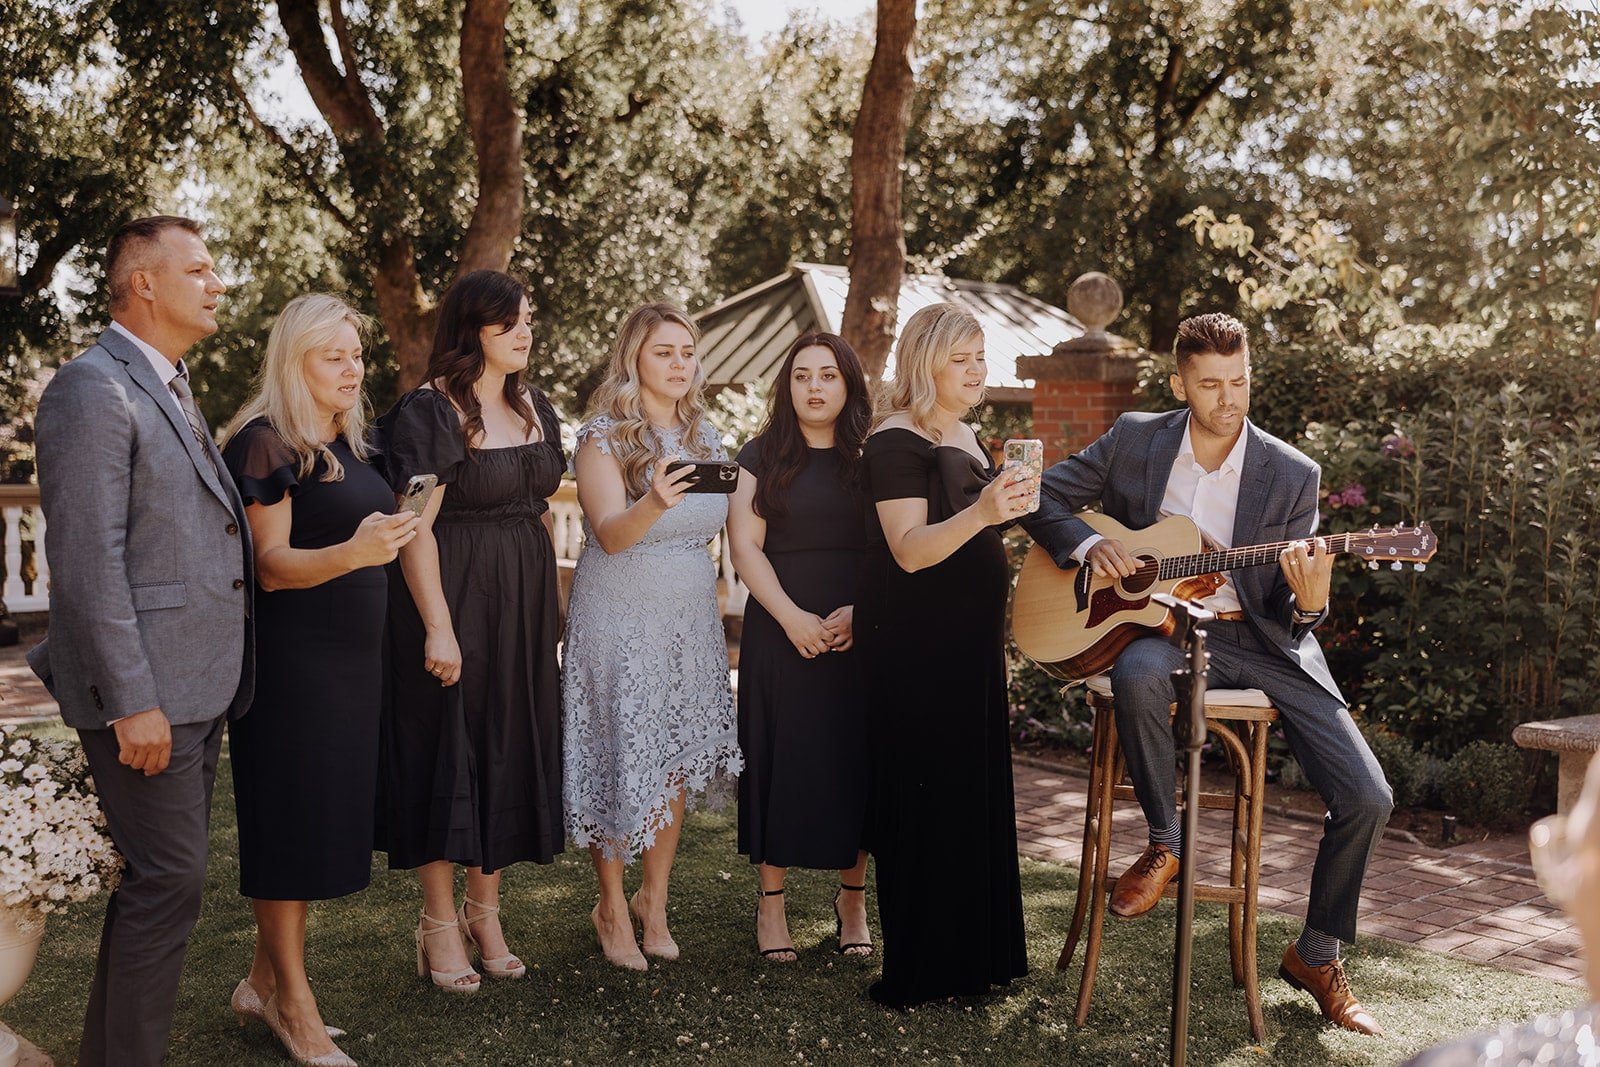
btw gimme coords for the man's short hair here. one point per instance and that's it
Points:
(132, 246)
(1216, 332)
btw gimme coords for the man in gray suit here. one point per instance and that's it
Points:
(149, 647)
(1241, 487)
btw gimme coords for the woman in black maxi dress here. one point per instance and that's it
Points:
(942, 824)
(797, 539)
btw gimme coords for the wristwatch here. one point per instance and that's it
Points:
(1304, 618)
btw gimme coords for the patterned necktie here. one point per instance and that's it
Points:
(197, 425)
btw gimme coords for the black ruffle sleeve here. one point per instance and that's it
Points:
(422, 434)
(262, 464)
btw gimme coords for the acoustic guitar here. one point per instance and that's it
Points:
(1073, 623)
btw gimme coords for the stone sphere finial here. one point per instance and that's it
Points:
(1094, 299)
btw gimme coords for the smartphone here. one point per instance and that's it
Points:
(1028, 454)
(709, 476)
(418, 492)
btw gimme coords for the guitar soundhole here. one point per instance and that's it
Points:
(1143, 580)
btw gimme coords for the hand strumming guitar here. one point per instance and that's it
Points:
(1109, 558)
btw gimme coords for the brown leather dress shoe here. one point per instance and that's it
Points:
(1140, 887)
(1331, 989)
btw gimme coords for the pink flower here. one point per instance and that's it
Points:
(1398, 446)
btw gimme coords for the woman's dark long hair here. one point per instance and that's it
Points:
(784, 444)
(482, 298)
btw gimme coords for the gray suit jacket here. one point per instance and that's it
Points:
(1125, 474)
(152, 574)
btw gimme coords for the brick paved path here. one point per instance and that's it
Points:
(1476, 900)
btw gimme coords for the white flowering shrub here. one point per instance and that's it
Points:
(54, 847)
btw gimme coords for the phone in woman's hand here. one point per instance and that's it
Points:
(1027, 454)
(709, 476)
(419, 490)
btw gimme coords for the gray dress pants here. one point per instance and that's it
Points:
(160, 825)
(1320, 731)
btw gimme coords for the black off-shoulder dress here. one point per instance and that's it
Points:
(942, 822)
(305, 759)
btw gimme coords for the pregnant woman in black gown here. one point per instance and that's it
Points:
(305, 759)
(798, 543)
(930, 626)
(471, 743)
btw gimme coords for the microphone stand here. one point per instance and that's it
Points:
(1189, 731)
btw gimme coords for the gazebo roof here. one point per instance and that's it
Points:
(744, 338)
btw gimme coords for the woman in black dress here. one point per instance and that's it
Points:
(471, 743)
(930, 625)
(305, 758)
(798, 543)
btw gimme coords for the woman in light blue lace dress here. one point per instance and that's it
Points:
(647, 713)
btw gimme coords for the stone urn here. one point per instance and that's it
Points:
(20, 931)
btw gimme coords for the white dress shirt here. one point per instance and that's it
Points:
(165, 369)
(1210, 498)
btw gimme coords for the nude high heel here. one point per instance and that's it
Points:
(247, 1004)
(507, 966)
(449, 981)
(333, 1058)
(666, 950)
(633, 961)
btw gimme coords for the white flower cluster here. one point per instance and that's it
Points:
(54, 847)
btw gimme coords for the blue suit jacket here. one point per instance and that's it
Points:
(1124, 475)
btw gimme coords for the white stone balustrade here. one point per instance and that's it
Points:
(24, 538)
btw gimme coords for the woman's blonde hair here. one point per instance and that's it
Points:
(634, 442)
(281, 394)
(926, 342)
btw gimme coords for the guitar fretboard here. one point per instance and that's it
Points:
(1227, 559)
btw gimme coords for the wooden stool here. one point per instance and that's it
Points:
(1248, 757)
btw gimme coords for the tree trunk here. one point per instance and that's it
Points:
(877, 233)
(496, 129)
(371, 175)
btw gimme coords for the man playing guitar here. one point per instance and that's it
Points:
(1240, 486)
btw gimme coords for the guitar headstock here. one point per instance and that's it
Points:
(1395, 545)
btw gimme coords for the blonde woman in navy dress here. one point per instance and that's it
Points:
(799, 543)
(305, 760)
(647, 710)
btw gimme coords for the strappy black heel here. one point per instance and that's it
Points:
(864, 947)
(769, 953)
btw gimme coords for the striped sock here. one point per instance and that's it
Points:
(1316, 948)
(1170, 836)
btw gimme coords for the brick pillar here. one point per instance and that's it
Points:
(1081, 387)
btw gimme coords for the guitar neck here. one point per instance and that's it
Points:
(1228, 559)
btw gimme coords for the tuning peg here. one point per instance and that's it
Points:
(1396, 565)
(1372, 564)
(1420, 566)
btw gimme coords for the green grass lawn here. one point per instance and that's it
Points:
(720, 1004)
